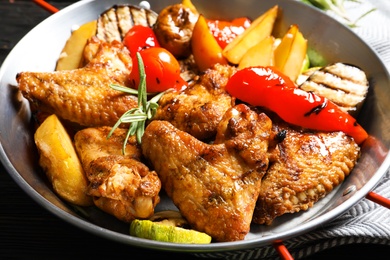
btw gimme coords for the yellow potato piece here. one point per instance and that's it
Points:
(291, 53)
(262, 54)
(59, 160)
(72, 53)
(259, 29)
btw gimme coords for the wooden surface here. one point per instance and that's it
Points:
(29, 231)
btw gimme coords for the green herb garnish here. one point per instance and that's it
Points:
(137, 116)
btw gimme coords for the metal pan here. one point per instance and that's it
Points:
(40, 48)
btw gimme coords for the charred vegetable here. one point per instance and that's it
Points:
(114, 23)
(344, 84)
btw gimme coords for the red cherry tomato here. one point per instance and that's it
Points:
(224, 31)
(267, 87)
(138, 38)
(161, 68)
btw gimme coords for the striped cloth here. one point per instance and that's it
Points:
(366, 222)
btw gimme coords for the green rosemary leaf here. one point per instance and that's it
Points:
(128, 134)
(136, 117)
(157, 97)
(142, 97)
(124, 89)
(140, 131)
(133, 128)
(153, 106)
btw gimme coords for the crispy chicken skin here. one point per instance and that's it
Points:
(304, 167)
(121, 185)
(215, 186)
(198, 109)
(84, 95)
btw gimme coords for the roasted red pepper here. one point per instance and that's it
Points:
(225, 31)
(269, 88)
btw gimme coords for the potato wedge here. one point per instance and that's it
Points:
(260, 28)
(291, 53)
(72, 53)
(59, 160)
(262, 54)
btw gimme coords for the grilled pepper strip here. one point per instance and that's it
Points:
(269, 88)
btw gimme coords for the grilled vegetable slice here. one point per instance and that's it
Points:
(166, 233)
(168, 226)
(344, 84)
(114, 23)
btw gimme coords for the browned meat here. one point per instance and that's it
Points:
(173, 29)
(91, 49)
(198, 109)
(83, 96)
(304, 167)
(189, 71)
(214, 186)
(121, 185)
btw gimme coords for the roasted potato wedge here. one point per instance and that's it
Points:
(59, 160)
(291, 53)
(262, 54)
(72, 53)
(260, 29)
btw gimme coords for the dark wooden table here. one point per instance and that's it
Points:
(29, 231)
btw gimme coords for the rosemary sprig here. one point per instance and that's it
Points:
(137, 117)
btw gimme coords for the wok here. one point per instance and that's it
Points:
(40, 48)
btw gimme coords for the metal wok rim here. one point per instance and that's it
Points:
(214, 247)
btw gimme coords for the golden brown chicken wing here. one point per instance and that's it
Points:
(215, 186)
(199, 109)
(120, 184)
(83, 96)
(304, 167)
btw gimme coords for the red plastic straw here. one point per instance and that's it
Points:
(378, 199)
(282, 250)
(46, 6)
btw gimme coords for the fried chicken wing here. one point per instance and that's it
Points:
(84, 95)
(304, 167)
(121, 185)
(198, 109)
(215, 186)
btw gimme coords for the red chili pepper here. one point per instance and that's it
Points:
(267, 87)
(224, 31)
